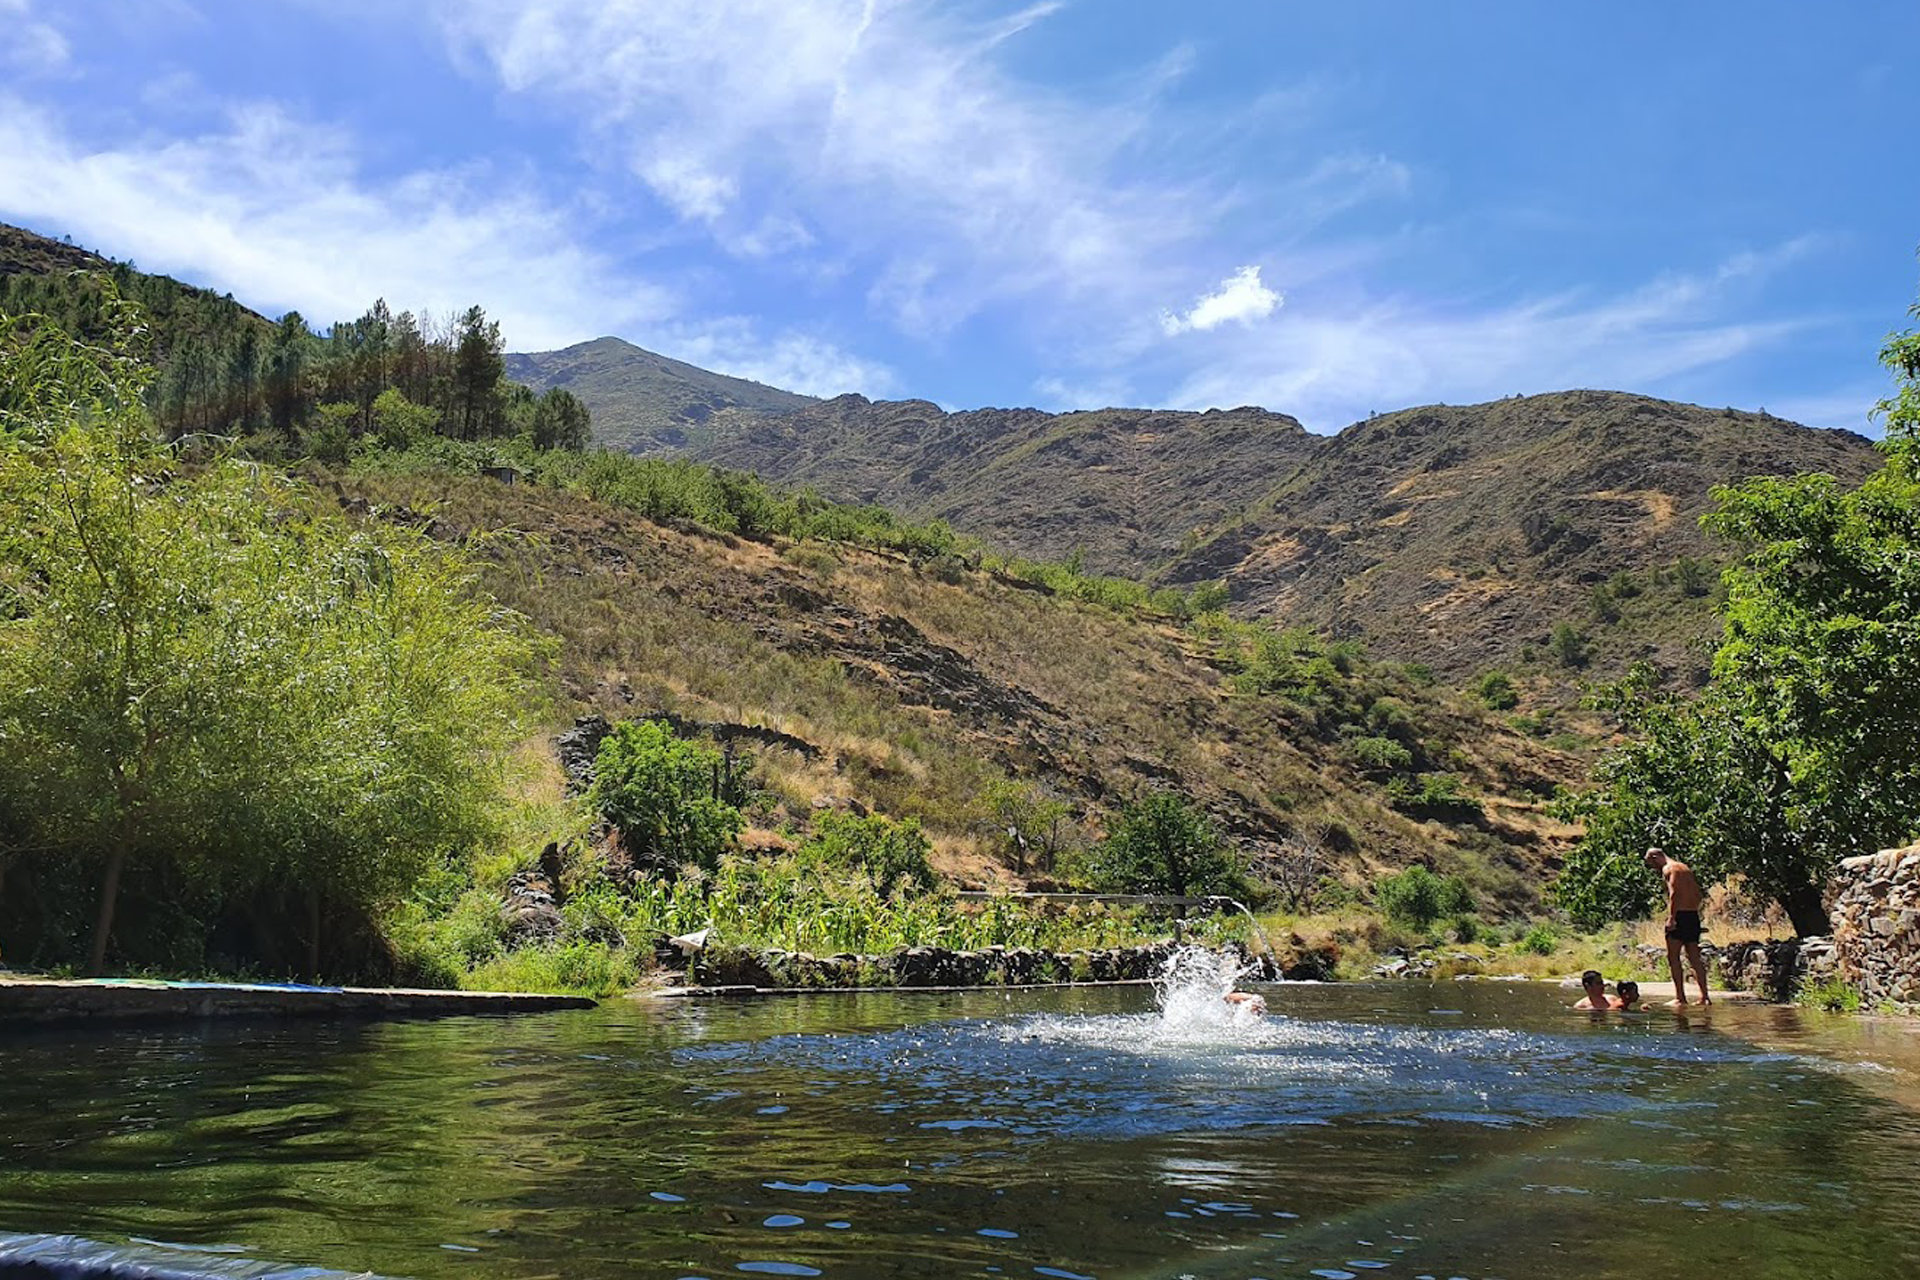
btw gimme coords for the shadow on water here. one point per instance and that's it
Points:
(1458, 1129)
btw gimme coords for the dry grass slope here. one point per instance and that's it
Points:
(916, 687)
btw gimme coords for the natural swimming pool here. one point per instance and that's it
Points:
(1391, 1130)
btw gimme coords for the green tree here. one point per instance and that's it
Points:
(669, 797)
(1028, 821)
(212, 670)
(288, 357)
(893, 854)
(478, 366)
(398, 422)
(560, 421)
(1163, 844)
(1802, 750)
(1416, 897)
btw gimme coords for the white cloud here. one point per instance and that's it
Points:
(277, 212)
(1847, 407)
(1240, 299)
(792, 361)
(887, 129)
(1330, 362)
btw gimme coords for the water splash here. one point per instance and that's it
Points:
(1192, 992)
(1266, 943)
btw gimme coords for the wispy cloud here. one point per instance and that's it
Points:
(889, 129)
(1848, 407)
(1240, 299)
(31, 45)
(793, 361)
(277, 212)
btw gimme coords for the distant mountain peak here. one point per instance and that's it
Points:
(644, 402)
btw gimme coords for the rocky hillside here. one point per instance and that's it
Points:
(1462, 536)
(1125, 487)
(859, 679)
(24, 252)
(642, 402)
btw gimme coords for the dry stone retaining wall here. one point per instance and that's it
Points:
(1876, 924)
(722, 965)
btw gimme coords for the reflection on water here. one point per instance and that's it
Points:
(1394, 1130)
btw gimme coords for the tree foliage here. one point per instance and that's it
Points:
(1161, 843)
(1029, 821)
(220, 369)
(1805, 746)
(1417, 897)
(893, 854)
(674, 800)
(208, 672)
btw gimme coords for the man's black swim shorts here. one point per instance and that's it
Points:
(1685, 927)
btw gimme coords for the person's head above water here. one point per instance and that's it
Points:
(1629, 993)
(1595, 987)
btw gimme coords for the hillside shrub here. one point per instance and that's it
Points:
(667, 795)
(1161, 843)
(1495, 688)
(1539, 940)
(1433, 795)
(1570, 646)
(1416, 897)
(1380, 755)
(893, 854)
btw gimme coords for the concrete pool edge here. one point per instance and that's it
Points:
(50, 1001)
(737, 990)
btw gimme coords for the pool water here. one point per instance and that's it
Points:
(1389, 1130)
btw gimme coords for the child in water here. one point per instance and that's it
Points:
(1629, 992)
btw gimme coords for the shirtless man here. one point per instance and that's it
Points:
(1596, 988)
(1683, 923)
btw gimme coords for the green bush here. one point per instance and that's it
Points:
(213, 684)
(668, 796)
(893, 853)
(1570, 646)
(1433, 795)
(1539, 940)
(1416, 897)
(1466, 928)
(1496, 690)
(1831, 994)
(1163, 844)
(1380, 755)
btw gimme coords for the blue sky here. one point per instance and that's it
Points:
(1327, 209)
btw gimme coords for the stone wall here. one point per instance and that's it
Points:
(1876, 924)
(1776, 970)
(721, 965)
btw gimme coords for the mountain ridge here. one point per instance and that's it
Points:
(644, 402)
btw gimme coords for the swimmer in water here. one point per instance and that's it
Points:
(1629, 995)
(1596, 988)
(1255, 1005)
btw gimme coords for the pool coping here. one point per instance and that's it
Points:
(47, 1001)
(741, 990)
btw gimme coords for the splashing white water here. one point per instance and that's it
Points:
(1192, 992)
